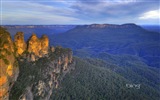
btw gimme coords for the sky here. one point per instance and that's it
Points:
(49, 12)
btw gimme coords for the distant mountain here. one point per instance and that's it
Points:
(153, 28)
(129, 25)
(38, 29)
(36, 26)
(114, 39)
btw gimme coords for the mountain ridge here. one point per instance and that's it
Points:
(133, 40)
(126, 25)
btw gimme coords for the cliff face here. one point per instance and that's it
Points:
(38, 47)
(43, 76)
(31, 70)
(34, 45)
(20, 43)
(44, 44)
(8, 64)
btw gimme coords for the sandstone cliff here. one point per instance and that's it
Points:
(34, 45)
(20, 43)
(37, 47)
(43, 76)
(44, 44)
(8, 64)
(31, 70)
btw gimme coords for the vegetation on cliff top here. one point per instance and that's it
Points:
(32, 72)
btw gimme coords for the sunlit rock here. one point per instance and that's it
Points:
(34, 45)
(44, 44)
(19, 42)
(8, 64)
(39, 47)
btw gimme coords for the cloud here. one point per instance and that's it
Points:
(32, 6)
(78, 11)
(154, 14)
(108, 7)
(40, 18)
(35, 13)
(113, 9)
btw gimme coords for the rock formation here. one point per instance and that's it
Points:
(8, 64)
(20, 43)
(34, 45)
(52, 71)
(40, 77)
(44, 44)
(39, 47)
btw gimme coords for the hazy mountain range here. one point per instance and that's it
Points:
(113, 62)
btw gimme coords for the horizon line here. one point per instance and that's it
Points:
(71, 24)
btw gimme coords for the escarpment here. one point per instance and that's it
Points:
(43, 76)
(31, 70)
(8, 64)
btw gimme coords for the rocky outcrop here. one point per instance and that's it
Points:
(36, 67)
(20, 43)
(47, 75)
(34, 45)
(38, 47)
(8, 64)
(44, 45)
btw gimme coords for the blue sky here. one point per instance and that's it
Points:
(36, 12)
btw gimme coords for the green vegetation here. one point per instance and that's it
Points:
(29, 73)
(32, 72)
(58, 52)
(91, 80)
(6, 61)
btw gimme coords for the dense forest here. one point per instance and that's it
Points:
(96, 80)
